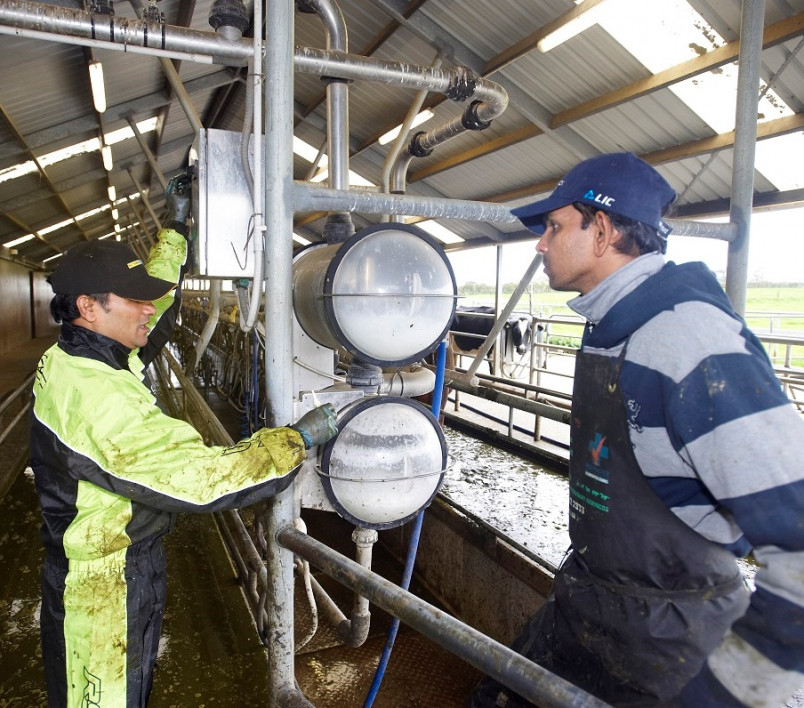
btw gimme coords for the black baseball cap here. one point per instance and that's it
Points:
(618, 182)
(106, 266)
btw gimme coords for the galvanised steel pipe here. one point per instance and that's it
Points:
(278, 314)
(145, 199)
(400, 140)
(146, 150)
(310, 197)
(24, 388)
(460, 381)
(64, 24)
(112, 32)
(745, 140)
(337, 95)
(244, 553)
(503, 316)
(174, 80)
(351, 66)
(496, 660)
(703, 229)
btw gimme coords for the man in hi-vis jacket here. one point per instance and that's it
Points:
(111, 469)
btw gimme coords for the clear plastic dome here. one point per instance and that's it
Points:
(392, 295)
(386, 463)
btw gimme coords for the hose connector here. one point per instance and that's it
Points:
(416, 148)
(229, 18)
(462, 85)
(470, 119)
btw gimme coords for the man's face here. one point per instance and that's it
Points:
(125, 321)
(568, 250)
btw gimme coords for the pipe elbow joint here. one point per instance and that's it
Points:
(416, 148)
(470, 119)
(354, 632)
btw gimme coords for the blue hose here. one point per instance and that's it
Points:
(250, 420)
(413, 544)
(255, 383)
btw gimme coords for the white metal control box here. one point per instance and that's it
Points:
(222, 206)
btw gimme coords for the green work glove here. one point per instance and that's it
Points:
(179, 199)
(317, 426)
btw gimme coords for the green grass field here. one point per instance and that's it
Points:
(777, 310)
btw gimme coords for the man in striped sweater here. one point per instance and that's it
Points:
(684, 457)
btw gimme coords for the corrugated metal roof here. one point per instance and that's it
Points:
(46, 105)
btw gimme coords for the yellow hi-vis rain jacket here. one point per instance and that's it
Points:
(111, 469)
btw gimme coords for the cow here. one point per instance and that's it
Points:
(478, 321)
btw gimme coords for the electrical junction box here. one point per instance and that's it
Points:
(222, 206)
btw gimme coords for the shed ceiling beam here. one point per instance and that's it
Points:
(143, 105)
(23, 227)
(27, 263)
(433, 34)
(779, 32)
(528, 44)
(769, 129)
(765, 200)
(31, 156)
(373, 45)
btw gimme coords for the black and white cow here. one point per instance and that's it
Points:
(478, 321)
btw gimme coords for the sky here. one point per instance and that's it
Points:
(775, 254)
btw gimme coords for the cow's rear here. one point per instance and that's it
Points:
(471, 325)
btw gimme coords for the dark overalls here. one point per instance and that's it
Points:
(642, 599)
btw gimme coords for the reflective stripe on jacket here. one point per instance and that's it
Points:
(110, 467)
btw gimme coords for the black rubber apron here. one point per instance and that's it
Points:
(642, 599)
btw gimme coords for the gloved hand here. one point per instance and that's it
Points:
(317, 426)
(179, 199)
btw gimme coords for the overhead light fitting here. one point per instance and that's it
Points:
(106, 155)
(115, 214)
(569, 24)
(112, 192)
(96, 82)
(420, 118)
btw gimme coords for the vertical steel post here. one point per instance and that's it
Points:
(742, 184)
(278, 185)
(498, 293)
(337, 98)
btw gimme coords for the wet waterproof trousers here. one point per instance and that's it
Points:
(100, 624)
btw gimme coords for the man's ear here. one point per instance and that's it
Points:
(605, 233)
(87, 307)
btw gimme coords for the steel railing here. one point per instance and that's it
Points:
(17, 405)
(530, 680)
(521, 387)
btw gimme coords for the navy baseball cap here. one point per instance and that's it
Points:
(618, 182)
(106, 266)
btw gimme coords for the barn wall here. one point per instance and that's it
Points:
(15, 294)
(43, 323)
